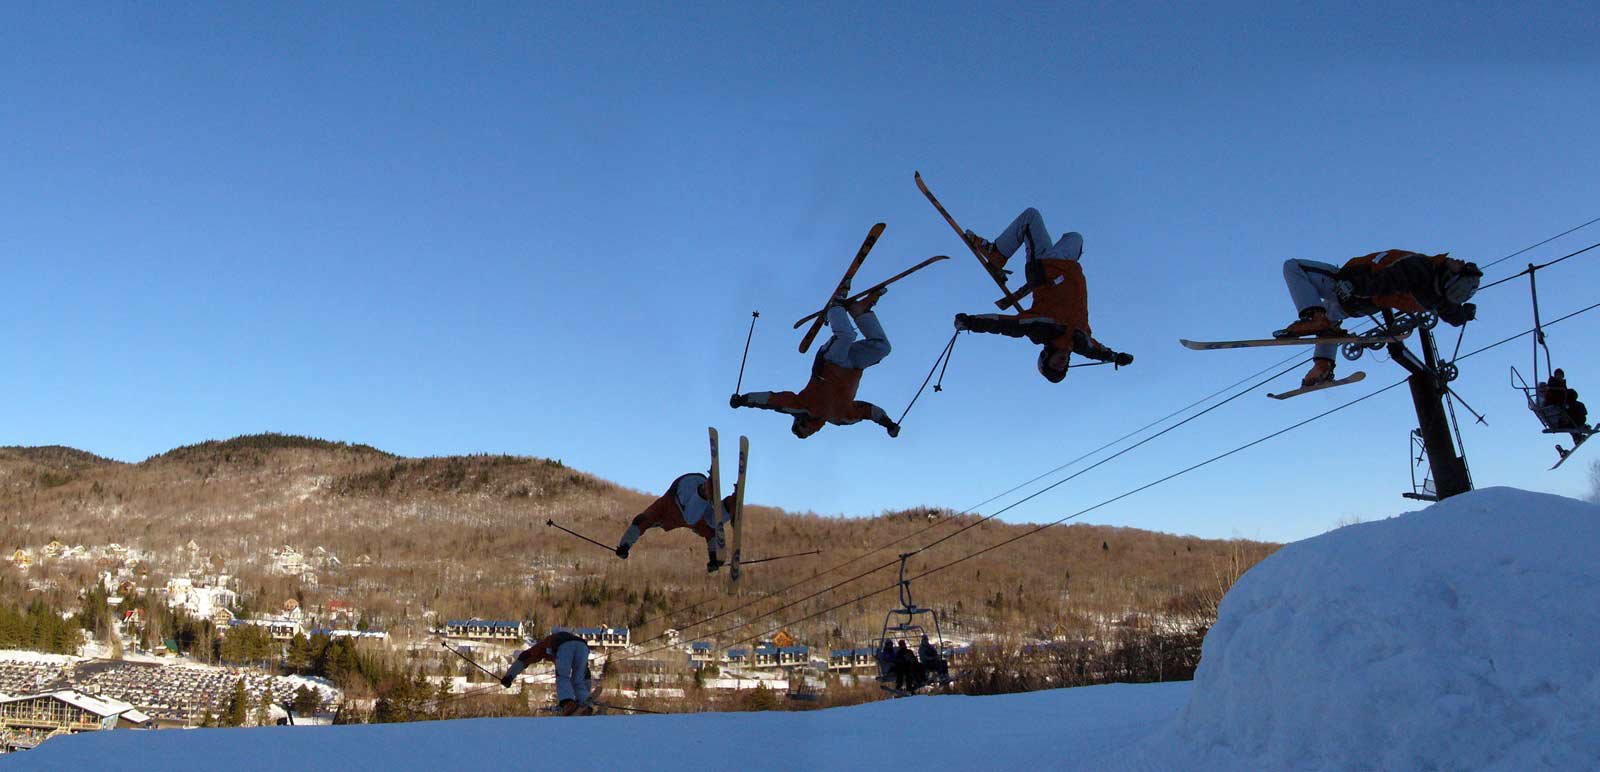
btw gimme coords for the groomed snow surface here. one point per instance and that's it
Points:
(1463, 636)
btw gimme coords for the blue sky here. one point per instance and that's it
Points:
(529, 229)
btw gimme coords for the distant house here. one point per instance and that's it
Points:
(30, 719)
(280, 628)
(603, 637)
(700, 652)
(736, 657)
(766, 655)
(484, 629)
(771, 655)
(852, 659)
(288, 560)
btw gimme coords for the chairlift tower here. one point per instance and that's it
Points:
(1430, 382)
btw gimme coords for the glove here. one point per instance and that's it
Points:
(1456, 316)
(712, 565)
(622, 551)
(737, 400)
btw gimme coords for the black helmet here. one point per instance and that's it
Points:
(1051, 374)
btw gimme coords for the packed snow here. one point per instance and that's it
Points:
(1463, 636)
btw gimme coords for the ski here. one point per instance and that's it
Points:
(874, 288)
(716, 497)
(738, 508)
(844, 283)
(1009, 298)
(1213, 345)
(1351, 378)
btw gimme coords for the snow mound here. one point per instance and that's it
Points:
(1463, 636)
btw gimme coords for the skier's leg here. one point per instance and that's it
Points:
(1069, 247)
(566, 655)
(1028, 229)
(1310, 286)
(580, 673)
(873, 348)
(837, 349)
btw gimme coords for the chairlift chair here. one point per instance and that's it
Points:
(904, 623)
(1555, 418)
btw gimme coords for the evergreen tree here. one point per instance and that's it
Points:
(263, 713)
(238, 705)
(307, 701)
(299, 658)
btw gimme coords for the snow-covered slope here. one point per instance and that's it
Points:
(1464, 636)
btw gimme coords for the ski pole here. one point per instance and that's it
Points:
(552, 523)
(751, 334)
(942, 354)
(779, 557)
(469, 660)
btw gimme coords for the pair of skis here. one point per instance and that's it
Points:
(1214, 345)
(818, 317)
(723, 547)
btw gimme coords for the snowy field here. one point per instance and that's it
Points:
(1464, 636)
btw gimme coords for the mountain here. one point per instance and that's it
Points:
(460, 536)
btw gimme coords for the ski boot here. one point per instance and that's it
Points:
(1313, 321)
(987, 250)
(1321, 372)
(865, 304)
(568, 707)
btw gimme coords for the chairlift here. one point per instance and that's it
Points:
(1551, 409)
(905, 623)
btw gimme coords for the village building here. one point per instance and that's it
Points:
(852, 659)
(27, 720)
(484, 629)
(601, 637)
(287, 560)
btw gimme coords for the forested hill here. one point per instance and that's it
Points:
(465, 536)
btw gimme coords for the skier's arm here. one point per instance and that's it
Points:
(860, 410)
(779, 401)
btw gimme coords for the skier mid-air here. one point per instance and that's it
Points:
(1394, 280)
(1058, 318)
(686, 504)
(830, 396)
(571, 657)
